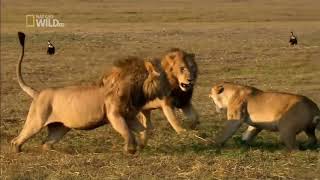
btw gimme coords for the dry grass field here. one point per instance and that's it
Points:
(243, 41)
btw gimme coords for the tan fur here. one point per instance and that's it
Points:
(287, 113)
(131, 83)
(181, 70)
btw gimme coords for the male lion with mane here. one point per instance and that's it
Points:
(131, 83)
(287, 113)
(181, 70)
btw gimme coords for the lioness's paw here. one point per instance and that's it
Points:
(14, 147)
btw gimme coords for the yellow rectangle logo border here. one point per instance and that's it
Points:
(28, 23)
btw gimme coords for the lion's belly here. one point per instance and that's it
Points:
(84, 122)
(266, 112)
(79, 119)
(78, 111)
(263, 124)
(263, 117)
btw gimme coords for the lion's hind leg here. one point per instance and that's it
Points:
(55, 132)
(34, 123)
(312, 139)
(288, 136)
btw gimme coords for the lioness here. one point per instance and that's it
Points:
(131, 83)
(274, 111)
(181, 70)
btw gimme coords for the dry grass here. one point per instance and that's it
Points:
(240, 41)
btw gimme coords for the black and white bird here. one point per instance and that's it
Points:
(51, 49)
(293, 40)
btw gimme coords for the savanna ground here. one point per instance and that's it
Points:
(242, 41)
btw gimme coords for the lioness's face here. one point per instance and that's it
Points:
(219, 97)
(184, 69)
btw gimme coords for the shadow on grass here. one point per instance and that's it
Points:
(235, 144)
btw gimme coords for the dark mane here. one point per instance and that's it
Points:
(130, 78)
(181, 98)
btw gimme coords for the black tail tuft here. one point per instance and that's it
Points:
(22, 37)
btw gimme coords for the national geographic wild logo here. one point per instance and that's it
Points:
(45, 21)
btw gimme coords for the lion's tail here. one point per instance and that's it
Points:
(29, 90)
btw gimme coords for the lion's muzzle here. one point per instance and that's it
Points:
(185, 86)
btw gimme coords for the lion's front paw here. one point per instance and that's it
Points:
(181, 131)
(131, 149)
(46, 147)
(142, 146)
(15, 148)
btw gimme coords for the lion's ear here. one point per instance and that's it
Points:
(219, 89)
(150, 68)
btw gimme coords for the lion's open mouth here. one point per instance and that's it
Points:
(185, 86)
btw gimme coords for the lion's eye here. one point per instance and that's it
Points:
(182, 68)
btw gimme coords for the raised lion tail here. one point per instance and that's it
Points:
(29, 90)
